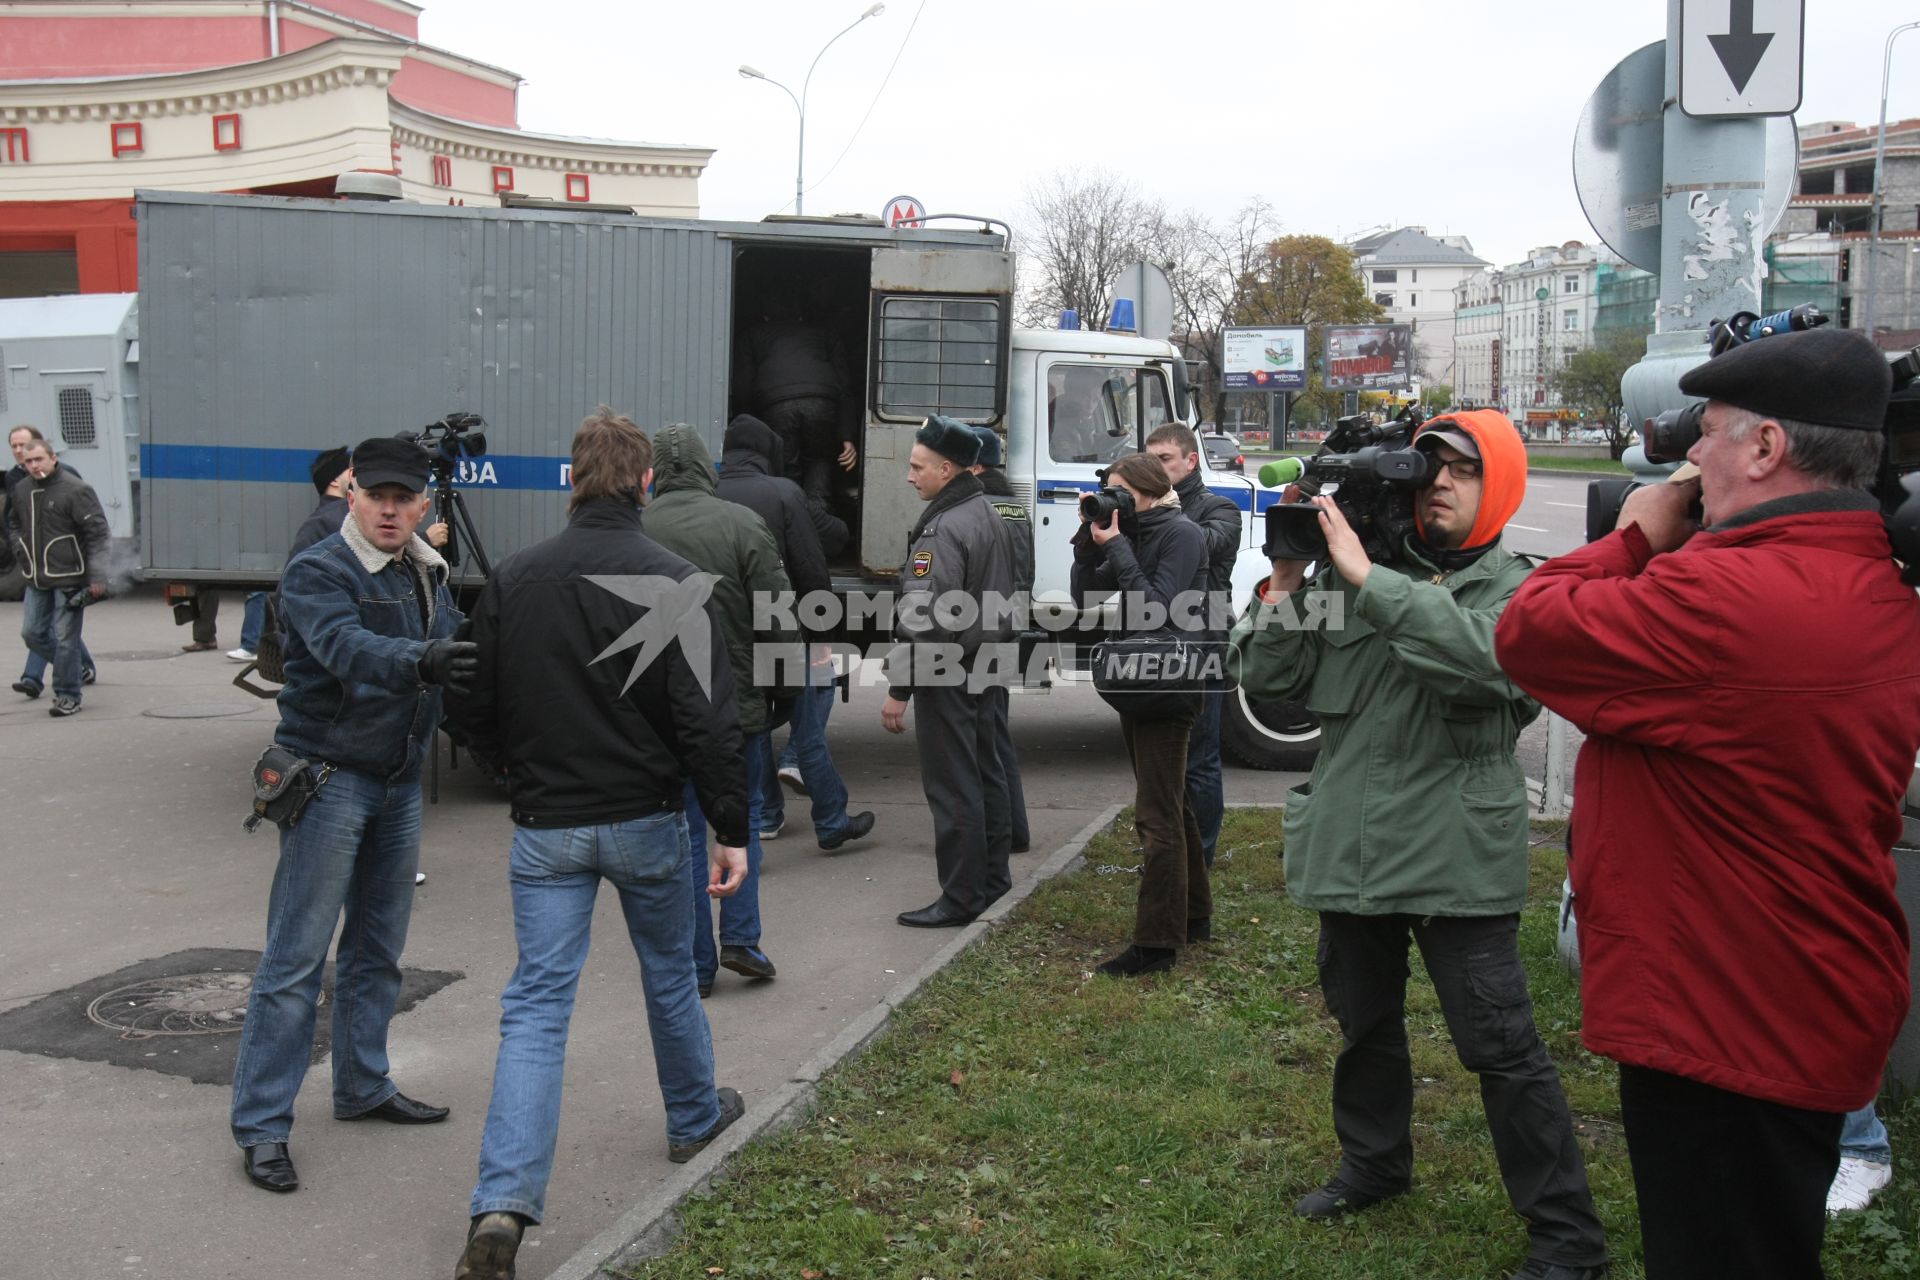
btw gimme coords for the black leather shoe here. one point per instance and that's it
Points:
(732, 1107)
(400, 1109)
(858, 825)
(748, 962)
(492, 1241)
(1135, 962)
(1336, 1199)
(937, 916)
(1541, 1269)
(268, 1165)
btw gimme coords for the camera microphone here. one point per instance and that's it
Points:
(1284, 472)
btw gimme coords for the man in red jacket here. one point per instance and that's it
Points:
(1751, 694)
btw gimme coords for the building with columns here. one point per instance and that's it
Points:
(275, 97)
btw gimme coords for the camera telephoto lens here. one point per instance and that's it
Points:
(1097, 507)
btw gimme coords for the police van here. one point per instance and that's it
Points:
(275, 327)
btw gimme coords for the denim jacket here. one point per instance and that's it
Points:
(354, 635)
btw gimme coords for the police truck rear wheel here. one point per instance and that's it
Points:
(1268, 735)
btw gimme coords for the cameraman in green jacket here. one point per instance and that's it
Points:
(1414, 825)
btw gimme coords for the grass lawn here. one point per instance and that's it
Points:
(1600, 466)
(1024, 1119)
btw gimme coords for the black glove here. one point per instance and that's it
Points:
(452, 664)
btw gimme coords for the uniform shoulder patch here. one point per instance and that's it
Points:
(1010, 510)
(921, 564)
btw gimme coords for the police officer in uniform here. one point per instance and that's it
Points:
(993, 477)
(960, 548)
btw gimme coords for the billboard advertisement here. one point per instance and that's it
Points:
(1264, 359)
(1369, 357)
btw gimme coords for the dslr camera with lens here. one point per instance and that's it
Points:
(1097, 507)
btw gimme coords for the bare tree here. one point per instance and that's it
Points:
(1211, 268)
(1083, 229)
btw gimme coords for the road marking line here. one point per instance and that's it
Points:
(1529, 528)
(1577, 506)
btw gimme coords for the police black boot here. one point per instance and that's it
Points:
(1135, 961)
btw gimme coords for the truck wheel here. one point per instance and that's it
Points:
(1268, 735)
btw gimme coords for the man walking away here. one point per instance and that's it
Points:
(369, 644)
(960, 548)
(733, 547)
(60, 542)
(1179, 452)
(750, 474)
(599, 738)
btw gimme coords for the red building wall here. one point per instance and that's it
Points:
(100, 233)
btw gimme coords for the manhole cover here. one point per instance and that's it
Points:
(200, 711)
(189, 1004)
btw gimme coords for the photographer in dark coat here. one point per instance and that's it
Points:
(1157, 559)
(1179, 452)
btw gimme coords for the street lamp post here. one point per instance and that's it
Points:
(1879, 169)
(800, 102)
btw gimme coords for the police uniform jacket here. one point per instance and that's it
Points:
(1019, 523)
(960, 545)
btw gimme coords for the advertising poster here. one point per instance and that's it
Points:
(1264, 359)
(1369, 357)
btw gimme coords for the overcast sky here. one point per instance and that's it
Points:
(1456, 116)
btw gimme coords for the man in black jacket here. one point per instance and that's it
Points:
(60, 539)
(33, 677)
(1179, 452)
(750, 474)
(602, 684)
(991, 468)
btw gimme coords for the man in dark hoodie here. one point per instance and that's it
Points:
(750, 475)
(735, 547)
(600, 734)
(959, 550)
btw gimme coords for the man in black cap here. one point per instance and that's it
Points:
(951, 622)
(1750, 692)
(369, 627)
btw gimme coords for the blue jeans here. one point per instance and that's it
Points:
(740, 914)
(354, 849)
(253, 621)
(52, 634)
(1863, 1137)
(1206, 792)
(806, 749)
(556, 875)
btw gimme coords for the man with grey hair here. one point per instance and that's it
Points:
(1750, 692)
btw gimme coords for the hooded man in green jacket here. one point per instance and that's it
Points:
(733, 546)
(1414, 825)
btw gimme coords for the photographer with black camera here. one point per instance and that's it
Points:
(1750, 691)
(1414, 823)
(1133, 537)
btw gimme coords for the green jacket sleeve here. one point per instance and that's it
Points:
(1274, 650)
(1444, 645)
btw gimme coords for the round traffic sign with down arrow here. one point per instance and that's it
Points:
(1619, 159)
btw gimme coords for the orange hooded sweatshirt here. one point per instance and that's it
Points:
(1503, 469)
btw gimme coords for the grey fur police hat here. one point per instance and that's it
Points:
(1827, 377)
(990, 454)
(951, 438)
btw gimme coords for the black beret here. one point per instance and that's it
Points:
(951, 438)
(326, 468)
(385, 460)
(1826, 377)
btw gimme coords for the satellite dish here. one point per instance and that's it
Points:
(1619, 152)
(1152, 296)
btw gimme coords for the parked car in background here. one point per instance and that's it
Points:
(1224, 453)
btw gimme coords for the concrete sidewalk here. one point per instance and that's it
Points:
(124, 846)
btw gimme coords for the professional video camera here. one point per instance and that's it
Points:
(456, 436)
(1375, 471)
(1668, 437)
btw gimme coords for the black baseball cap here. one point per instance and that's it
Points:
(385, 460)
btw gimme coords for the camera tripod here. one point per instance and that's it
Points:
(452, 508)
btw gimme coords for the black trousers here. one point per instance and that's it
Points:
(809, 431)
(1476, 971)
(1174, 887)
(967, 792)
(1010, 765)
(1729, 1186)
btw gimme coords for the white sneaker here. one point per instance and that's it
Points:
(1855, 1182)
(240, 655)
(789, 775)
(773, 832)
(419, 877)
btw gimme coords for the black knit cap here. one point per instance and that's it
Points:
(385, 460)
(951, 438)
(326, 468)
(1826, 377)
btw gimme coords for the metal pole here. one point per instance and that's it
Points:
(800, 169)
(1879, 168)
(1553, 784)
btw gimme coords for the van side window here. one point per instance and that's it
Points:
(1099, 413)
(938, 355)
